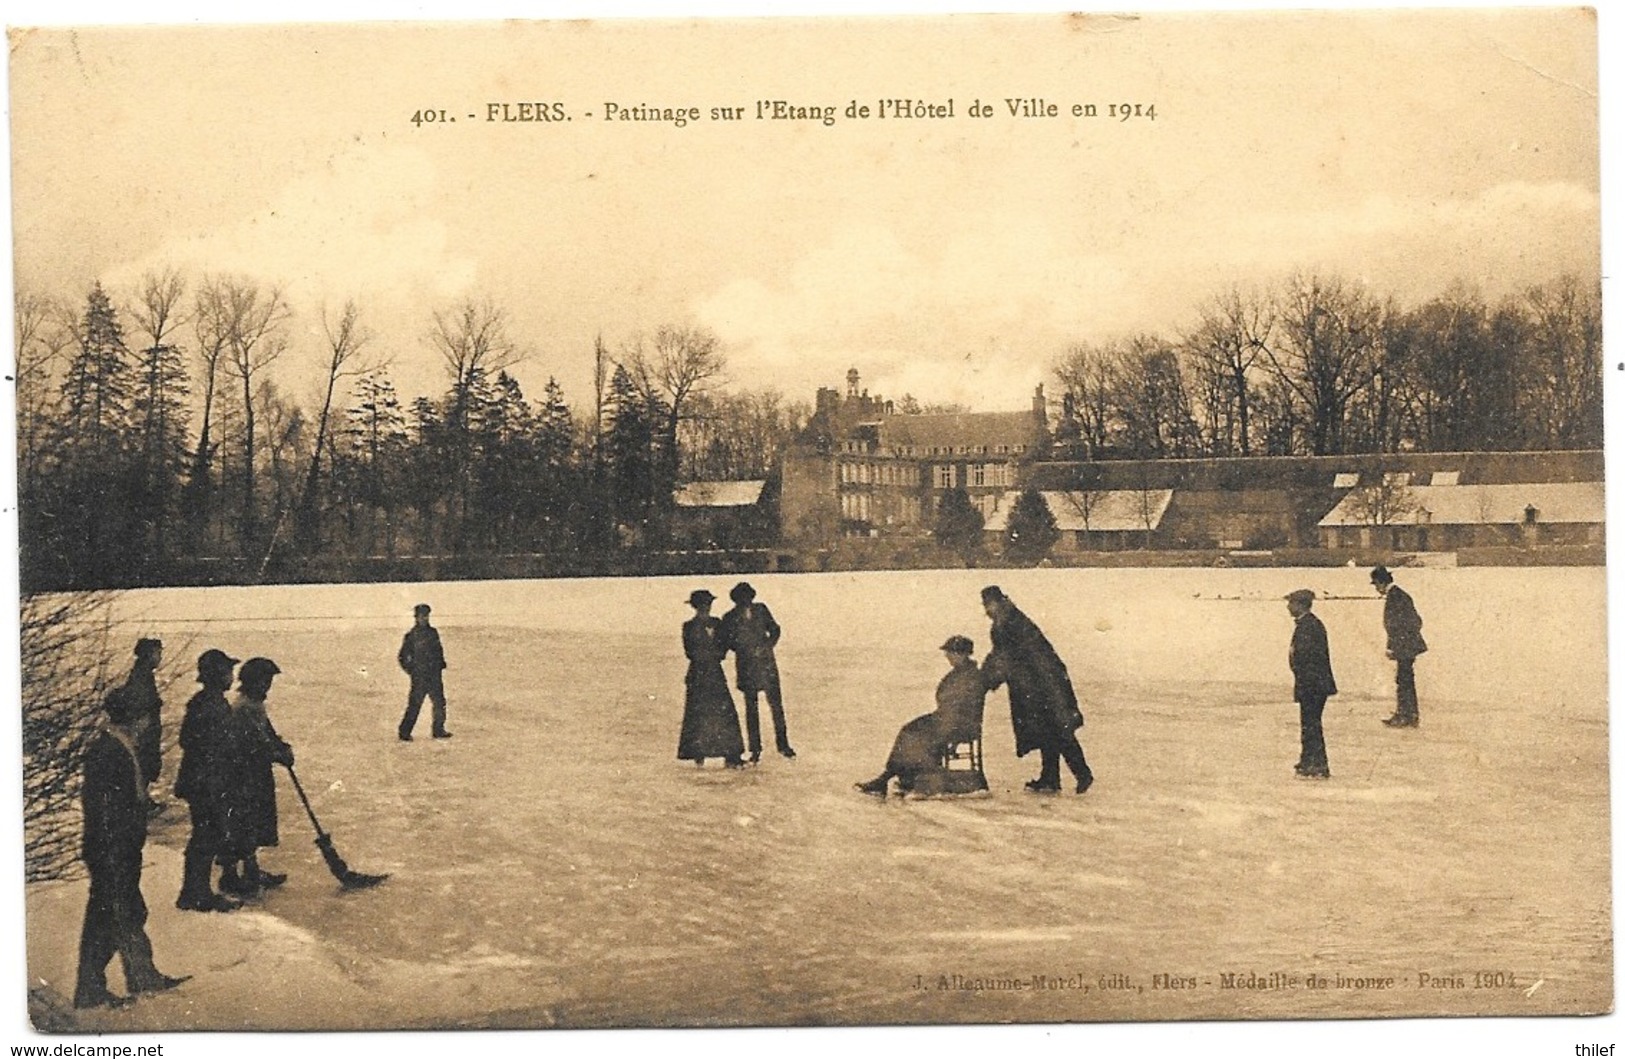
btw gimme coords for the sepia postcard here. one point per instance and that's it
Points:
(870, 521)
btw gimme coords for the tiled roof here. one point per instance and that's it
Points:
(977, 432)
(719, 494)
(1490, 505)
(1114, 511)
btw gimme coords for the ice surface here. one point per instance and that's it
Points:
(554, 864)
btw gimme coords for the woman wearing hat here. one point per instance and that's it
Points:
(710, 721)
(251, 819)
(957, 718)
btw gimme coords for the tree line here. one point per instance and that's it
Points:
(151, 432)
(1320, 365)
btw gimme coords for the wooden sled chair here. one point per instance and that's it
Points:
(960, 770)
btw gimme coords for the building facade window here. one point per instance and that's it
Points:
(945, 476)
(978, 474)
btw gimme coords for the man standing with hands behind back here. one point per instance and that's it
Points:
(1404, 628)
(1310, 658)
(422, 659)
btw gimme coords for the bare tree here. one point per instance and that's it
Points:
(65, 672)
(1088, 374)
(255, 318)
(346, 338)
(1567, 332)
(472, 340)
(1085, 497)
(1232, 333)
(42, 333)
(1324, 351)
(676, 364)
(211, 326)
(1384, 502)
(161, 390)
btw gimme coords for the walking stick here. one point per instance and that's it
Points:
(350, 880)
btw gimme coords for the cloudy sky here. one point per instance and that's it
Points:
(953, 259)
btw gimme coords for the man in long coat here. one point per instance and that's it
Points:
(1310, 658)
(749, 631)
(114, 797)
(1404, 628)
(422, 658)
(203, 780)
(1043, 706)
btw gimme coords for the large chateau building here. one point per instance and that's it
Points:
(876, 470)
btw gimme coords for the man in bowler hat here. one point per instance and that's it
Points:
(114, 796)
(749, 631)
(423, 660)
(1310, 658)
(1404, 628)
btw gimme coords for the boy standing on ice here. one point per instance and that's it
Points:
(422, 659)
(1311, 660)
(114, 796)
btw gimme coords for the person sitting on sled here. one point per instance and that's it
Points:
(957, 718)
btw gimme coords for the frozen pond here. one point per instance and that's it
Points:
(553, 864)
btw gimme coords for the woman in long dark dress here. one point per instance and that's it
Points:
(710, 721)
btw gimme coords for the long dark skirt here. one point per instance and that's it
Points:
(710, 720)
(918, 747)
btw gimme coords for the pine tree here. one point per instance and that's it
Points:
(428, 465)
(371, 459)
(159, 415)
(96, 392)
(629, 452)
(556, 483)
(93, 482)
(1031, 532)
(959, 525)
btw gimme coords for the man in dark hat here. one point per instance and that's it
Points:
(114, 796)
(251, 818)
(423, 660)
(749, 631)
(1310, 658)
(958, 717)
(1404, 628)
(203, 780)
(141, 689)
(1043, 706)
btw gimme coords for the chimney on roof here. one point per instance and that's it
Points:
(852, 382)
(1040, 406)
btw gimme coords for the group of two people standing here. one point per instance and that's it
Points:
(710, 721)
(1310, 660)
(1044, 711)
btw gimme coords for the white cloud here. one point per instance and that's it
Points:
(973, 316)
(361, 225)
